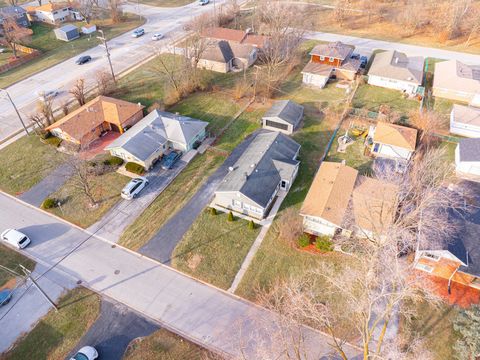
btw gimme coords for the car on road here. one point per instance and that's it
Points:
(203, 2)
(15, 238)
(157, 36)
(133, 188)
(5, 296)
(169, 160)
(83, 59)
(47, 95)
(137, 33)
(86, 353)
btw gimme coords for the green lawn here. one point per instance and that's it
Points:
(26, 162)
(12, 259)
(213, 249)
(444, 108)
(372, 97)
(58, 333)
(171, 200)
(56, 51)
(164, 345)
(166, 3)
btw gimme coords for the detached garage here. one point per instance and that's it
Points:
(467, 157)
(284, 116)
(67, 33)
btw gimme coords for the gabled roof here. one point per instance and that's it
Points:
(398, 66)
(455, 75)
(285, 110)
(67, 28)
(12, 10)
(89, 116)
(317, 69)
(469, 149)
(49, 7)
(237, 36)
(467, 115)
(219, 51)
(330, 192)
(154, 130)
(259, 169)
(335, 49)
(351, 65)
(396, 135)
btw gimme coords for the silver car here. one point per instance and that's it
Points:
(133, 188)
(15, 238)
(86, 353)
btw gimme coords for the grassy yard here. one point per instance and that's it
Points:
(57, 334)
(213, 249)
(172, 199)
(163, 345)
(372, 97)
(26, 162)
(55, 51)
(12, 259)
(166, 3)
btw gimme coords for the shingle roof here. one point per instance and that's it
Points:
(12, 10)
(154, 130)
(335, 49)
(317, 69)
(330, 192)
(258, 171)
(286, 110)
(219, 51)
(457, 76)
(396, 135)
(67, 28)
(49, 7)
(351, 65)
(469, 149)
(237, 36)
(396, 65)
(466, 114)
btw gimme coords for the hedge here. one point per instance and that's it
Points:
(54, 141)
(324, 243)
(135, 168)
(304, 240)
(49, 203)
(113, 161)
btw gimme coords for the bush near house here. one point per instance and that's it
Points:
(135, 168)
(49, 203)
(54, 141)
(213, 211)
(230, 216)
(113, 161)
(251, 225)
(324, 243)
(304, 240)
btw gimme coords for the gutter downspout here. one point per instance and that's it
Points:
(450, 280)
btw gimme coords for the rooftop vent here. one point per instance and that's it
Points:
(396, 60)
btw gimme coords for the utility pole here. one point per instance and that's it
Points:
(104, 39)
(16, 110)
(28, 274)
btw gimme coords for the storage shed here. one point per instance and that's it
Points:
(67, 33)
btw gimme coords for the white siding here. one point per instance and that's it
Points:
(463, 129)
(392, 84)
(315, 80)
(466, 167)
(391, 151)
(214, 66)
(318, 226)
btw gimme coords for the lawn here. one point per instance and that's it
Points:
(171, 200)
(164, 345)
(213, 249)
(55, 51)
(57, 334)
(75, 204)
(372, 97)
(166, 3)
(443, 107)
(12, 259)
(26, 162)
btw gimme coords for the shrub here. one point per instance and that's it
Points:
(324, 243)
(303, 240)
(113, 161)
(45, 135)
(135, 168)
(251, 225)
(230, 216)
(49, 203)
(213, 211)
(54, 141)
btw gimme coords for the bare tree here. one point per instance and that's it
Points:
(39, 122)
(13, 2)
(87, 9)
(105, 82)
(290, 226)
(114, 8)
(13, 33)
(83, 179)
(65, 108)
(78, 91)
(45, 108)
(341, 10)
(428, 122)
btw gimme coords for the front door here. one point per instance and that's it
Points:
(284, 185)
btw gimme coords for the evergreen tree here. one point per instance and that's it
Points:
(467, 324)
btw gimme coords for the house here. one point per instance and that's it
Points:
(236, 36)
(224, 56)
(17, 12)
(284, 116)
(53, 13)
(155, 134)
(87, 123)
(392, 141)
(268, 166)
(395, 70)
(67, 32)
(457, 81)
(467, 157)
(89, 29)
(465, 121)
(340, 199)
(327, 60)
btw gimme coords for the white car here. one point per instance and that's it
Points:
(157, 36)
(15, 238)
(86, 353)
(49, 94)
(133, 188)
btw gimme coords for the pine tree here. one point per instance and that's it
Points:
(230, 216)
(467, 324)
(251, 225)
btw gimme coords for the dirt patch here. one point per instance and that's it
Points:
(10, 284)
(194, 261)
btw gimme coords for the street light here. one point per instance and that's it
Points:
(16, 110)
(104, 39)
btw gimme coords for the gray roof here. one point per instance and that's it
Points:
(268, 158)
(468, 115)
(285, 110)
(396, 65)
(454, 75)
(67, 28)
(154, 130)
(317, 69)
(335, 49)
(12, 10)
(219, 51)
(469, 149)
(241, 51)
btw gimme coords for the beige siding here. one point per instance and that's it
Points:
(214, 66)
(236, 202)
(452, 95)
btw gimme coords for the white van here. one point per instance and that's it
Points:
(15, 238)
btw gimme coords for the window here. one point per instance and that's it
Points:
(283, 184)
(236, 203)
(424, 267)
(431, 256)
(376, 147)
(276, 125)
(322, 58)
(331, 59)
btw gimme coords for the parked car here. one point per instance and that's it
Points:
(363, 61)
(5, 296)
(355, 56)
(15, 238)
(203, 2)
(169, 160)
(133, 188)
(47, 95)
(83, 59)
(157, 36)
(137, 33)
(86, 353)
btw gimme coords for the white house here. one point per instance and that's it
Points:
(395, 70)
(392, 141)
(465, 121)
(154, 135)
(467, 157)
(53, 13)
(316, 74)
